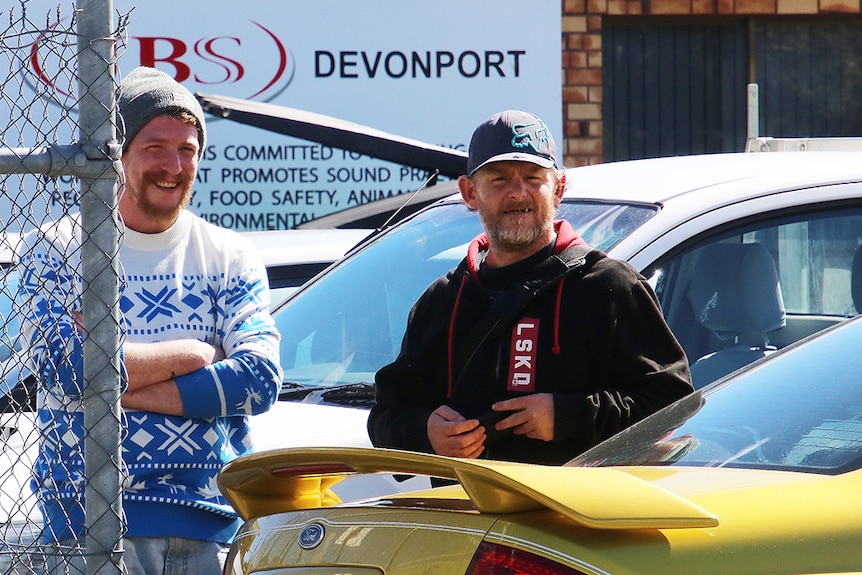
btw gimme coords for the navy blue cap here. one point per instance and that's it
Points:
(512, 135)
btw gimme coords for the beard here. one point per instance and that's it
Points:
(155, 211)
(505, 233)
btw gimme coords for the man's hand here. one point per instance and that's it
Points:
(452, 435)
(78, 318)
(533, 417)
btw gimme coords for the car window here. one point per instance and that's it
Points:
(735, 297)
(345, 325)
(801, 412)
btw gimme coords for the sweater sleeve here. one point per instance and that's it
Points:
(50, 298)
(247, 382)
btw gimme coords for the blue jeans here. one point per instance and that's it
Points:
(152, 556)
(173, 556)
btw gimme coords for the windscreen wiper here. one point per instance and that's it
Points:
(348, 394)
(293, 391)
(353, 395)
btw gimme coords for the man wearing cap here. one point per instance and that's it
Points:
(199, 350)
(536, 347)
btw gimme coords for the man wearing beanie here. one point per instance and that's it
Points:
(536, 347)
(199, 350)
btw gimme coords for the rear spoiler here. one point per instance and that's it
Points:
(600, 498)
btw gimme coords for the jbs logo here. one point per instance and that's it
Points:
(251, 62)
(522, 361)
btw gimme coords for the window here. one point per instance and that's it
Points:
(722, 295)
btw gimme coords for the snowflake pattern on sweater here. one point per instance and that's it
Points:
(195, 280)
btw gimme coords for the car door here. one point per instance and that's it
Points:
(761, 281)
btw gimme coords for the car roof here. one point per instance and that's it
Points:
(740, 175)
(700, 194)
(684, 187)
(288, 247)
(652, 180)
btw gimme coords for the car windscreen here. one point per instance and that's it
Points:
(799, 411)
(346, 324)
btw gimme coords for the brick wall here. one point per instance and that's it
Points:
(582, 53)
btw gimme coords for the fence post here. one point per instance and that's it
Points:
(97, 132)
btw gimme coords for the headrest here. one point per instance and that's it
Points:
(735, 290)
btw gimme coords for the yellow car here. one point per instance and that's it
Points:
(758, 473)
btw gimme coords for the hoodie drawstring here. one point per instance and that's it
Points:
(556, 349)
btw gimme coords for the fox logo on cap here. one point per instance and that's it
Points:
(535, 134)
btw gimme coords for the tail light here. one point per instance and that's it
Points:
(495, 559)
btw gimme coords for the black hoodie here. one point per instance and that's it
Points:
(597, 341)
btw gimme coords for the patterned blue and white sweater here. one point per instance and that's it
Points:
(194, 280)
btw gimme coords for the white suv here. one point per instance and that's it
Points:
(802, 211)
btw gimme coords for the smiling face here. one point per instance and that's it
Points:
(516, 201)
(160, 165)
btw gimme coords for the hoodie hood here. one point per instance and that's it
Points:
(566, 238)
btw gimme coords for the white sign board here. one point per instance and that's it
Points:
(428, 71)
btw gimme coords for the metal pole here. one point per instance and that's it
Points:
(752, 97)
(103, 464)
(54, 161)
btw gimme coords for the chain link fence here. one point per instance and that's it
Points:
(58, 156)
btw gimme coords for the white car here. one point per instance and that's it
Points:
(775, 234)
(292, 257)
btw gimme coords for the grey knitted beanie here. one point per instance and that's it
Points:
(146, 93)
